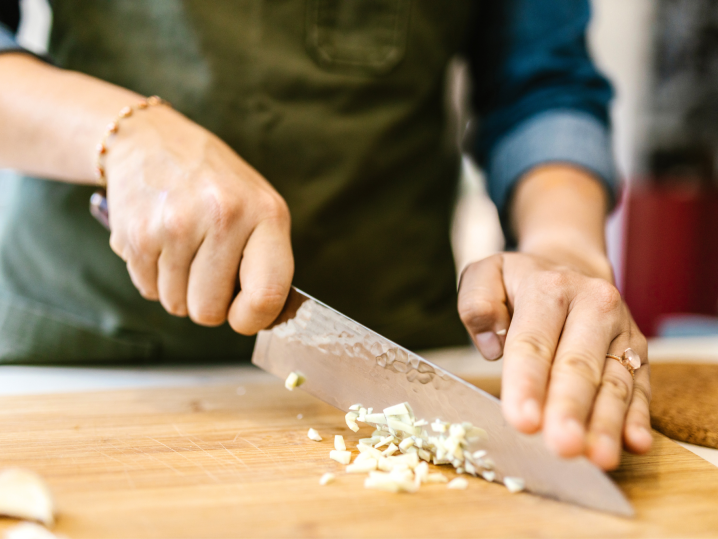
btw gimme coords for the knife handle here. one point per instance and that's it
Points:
(98, 208)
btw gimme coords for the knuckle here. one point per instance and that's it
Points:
(223, 212)
(273, 207)
(535, 345)
(580, 364)
(267, 301)
(618, 388)
(176, 224)
(606, 297)
(555, 280)
(205, 316)
(475, 313)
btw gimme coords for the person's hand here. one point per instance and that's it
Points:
(189, 216)
(561, 322)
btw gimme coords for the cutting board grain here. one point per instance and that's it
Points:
(218, 461)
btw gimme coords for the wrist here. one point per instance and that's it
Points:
(588, 258)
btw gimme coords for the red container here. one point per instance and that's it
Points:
(670, 253)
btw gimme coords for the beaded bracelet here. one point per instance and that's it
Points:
(112, 129)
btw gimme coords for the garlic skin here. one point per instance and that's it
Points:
(24, 495)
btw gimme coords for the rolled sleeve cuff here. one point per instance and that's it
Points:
(566, 136)
(7, 40)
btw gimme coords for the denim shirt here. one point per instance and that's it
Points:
(537, 96)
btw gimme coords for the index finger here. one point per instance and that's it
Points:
(265, 276)
(539, 315)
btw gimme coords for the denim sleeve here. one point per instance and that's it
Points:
(537, 95)
(7, 40)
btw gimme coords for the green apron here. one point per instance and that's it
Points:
(338, 103)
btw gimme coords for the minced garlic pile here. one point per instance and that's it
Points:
(397, 453)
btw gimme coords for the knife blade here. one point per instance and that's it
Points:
(345, 363)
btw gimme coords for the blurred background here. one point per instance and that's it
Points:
(662, 56)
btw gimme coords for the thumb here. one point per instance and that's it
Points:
(482, 305)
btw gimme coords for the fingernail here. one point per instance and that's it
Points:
(489, 345)
(531, 412)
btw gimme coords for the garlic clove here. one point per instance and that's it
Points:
(25, 495)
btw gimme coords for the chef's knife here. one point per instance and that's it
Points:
(345, 363)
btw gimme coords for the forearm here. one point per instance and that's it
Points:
(51, 120)
(558, 212)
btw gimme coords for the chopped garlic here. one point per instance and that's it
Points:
(422, 471)
(479, 454)
(370, 441)
(339, 444)
(397, 409)
(293, 380)
(406, 444)
(327, 478)
(389, 451)
(458, 483)
(439, 426)
(384, 441)
(314, 435)
(489, 475)
(342, 457)
(436, 477)
(375, 419)
(351, 419)
(364, 466)
(409, 459)
(386, 482)
(424, 455)
(514, 484)
(355, 407)
(385, 465)
(375, 453)
(403, 427)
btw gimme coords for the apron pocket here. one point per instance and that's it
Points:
(34, 333)
(357, 36)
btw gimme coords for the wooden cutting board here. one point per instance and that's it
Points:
(217, 461)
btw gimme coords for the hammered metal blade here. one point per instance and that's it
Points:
(345, 363)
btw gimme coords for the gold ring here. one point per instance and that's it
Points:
(630, 359)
